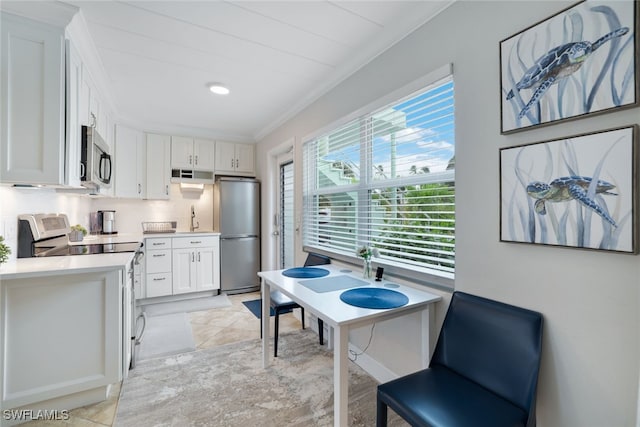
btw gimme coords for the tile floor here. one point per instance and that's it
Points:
(210, 328)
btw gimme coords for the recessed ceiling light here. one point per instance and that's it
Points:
(218, 88)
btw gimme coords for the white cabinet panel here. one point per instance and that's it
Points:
(130, 163)
(158, 166)
(181, 152)
(33, 99)
(62, 335)
(234, 158)
(184, 271)
(203, 154)
(159, 284)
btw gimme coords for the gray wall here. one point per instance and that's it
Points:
(589, 299)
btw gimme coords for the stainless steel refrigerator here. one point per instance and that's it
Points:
(236, 216)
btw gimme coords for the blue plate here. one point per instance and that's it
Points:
(305, 272)
(379, 298)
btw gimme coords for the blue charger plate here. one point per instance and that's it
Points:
(379, 298)
(305, 272)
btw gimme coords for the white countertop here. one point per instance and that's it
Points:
(182, 234)
(56, 265)
(22, 268)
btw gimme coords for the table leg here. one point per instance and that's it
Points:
(427, 317)
(340, 376)
(264, 318)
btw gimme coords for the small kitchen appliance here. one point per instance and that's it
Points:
(107, 222)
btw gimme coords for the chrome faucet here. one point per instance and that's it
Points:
(194, 224)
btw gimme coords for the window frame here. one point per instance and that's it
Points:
(420, 275)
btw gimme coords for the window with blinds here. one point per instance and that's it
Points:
(387, 179)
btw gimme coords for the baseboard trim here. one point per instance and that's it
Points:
(371, 366)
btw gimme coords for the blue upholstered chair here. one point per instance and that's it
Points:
(282, 303)
(484, 370)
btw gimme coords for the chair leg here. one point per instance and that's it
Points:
(275, 333)
(302, 316)
(381, 414)
(321, 330)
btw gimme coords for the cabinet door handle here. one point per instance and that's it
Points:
(198, 256)
(237, 163)
(166, 189)
(139, 188)
(190, 159)
(193, 257)
(231, 163)
(156, 279)
(196, 159)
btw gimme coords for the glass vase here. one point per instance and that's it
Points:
(366, 269)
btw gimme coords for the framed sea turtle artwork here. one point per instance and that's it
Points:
(579, 192)
(581, 61)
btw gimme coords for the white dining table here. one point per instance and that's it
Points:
(342, 317)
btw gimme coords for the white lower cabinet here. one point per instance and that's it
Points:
(158, 267)
(196, 264)
(62, 338)
(180, 265)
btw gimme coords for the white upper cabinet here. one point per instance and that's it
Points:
(203, 154)
(33, 102)
(235, 158)
(158, 166)
(192, 153)
(130, 163)
(181, 152)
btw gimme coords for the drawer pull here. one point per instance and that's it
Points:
(196, 242)
(159, 244)
(157, 255)
(155, 279)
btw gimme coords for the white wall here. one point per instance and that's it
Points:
(589, 299)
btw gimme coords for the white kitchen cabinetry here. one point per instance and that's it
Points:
(33, 102)
(62, 338)
(158, 166)
(130, 163)
(234, 158)
(192, 153)
(158, 267)
(196, 264)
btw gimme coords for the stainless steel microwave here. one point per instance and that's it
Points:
(96, 164)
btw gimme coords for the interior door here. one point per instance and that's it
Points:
(285, 216)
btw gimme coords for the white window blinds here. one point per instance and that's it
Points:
(387, 179)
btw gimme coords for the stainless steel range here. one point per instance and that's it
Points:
(44, 235)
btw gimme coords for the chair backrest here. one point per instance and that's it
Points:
(495, 345)
(316, 259)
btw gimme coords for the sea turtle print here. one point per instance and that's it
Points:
(558, 63)
(570, 188)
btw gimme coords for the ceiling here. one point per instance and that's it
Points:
(276, 57)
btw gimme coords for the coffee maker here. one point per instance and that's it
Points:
(103, 222)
